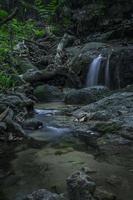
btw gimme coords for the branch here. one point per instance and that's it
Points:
(10, 17)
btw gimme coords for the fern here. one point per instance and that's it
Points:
(48, 11)
(6, 81)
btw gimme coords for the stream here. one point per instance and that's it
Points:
(52, 153)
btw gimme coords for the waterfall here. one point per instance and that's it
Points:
(107, 76)
(93, 72)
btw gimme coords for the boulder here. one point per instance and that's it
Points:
(86, 95)
(45, 93)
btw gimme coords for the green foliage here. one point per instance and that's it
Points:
(4, 43)
(52, 14)
(39, 33)
(46, 11)
(3, 14)
(25, 30)
(17, 31)
(6, 81)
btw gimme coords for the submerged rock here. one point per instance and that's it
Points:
(80, 186)
(32, 124)
(43, 194)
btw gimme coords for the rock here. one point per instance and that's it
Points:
(16, 99)
(32, 124)
(14, 128)
(114, 132)
(86, 95)
(23, 65)
(121, 73)
(88, 137)
(43, 194)
(81, 57)
(80, 186)
(14, 108)
(47, 93)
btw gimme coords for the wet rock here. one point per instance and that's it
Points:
(88, 137)
(32, 124)
(43, 194)
(121, 74)
(119, 101)
(80, 186)
(86, 95)
(47, 93)
(115, 131)
(80, 57)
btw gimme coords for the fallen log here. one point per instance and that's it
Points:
(44, 76)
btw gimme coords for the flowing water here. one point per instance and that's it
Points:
(107, 74)
(47, 165)
(93, 73)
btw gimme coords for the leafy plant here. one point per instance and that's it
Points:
(3, 14)
(47, 11)
(6, 81)
(19, 31)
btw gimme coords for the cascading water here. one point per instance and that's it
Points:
(93, 73)
(107, 76)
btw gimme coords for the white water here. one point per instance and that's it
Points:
(107, 76)
(93, 73)
(58, 131)
(46, 111)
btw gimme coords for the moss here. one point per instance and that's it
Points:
(64, 151)
(107, 127)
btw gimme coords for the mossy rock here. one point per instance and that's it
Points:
(23, 65)
(107, 127)
(45, 93)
